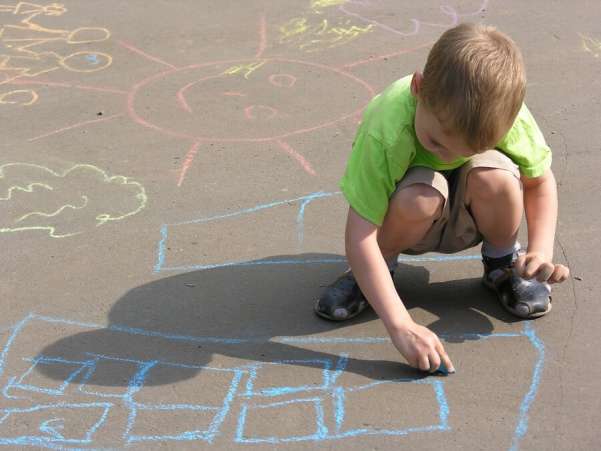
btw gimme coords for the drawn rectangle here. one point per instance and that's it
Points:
(186, 392)
(60, 423)
(222, 240)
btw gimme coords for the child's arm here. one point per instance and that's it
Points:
(540, 204)
(420, 346)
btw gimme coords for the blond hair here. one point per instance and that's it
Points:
(475, 81)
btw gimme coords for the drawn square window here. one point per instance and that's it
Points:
(173, 423)
(293, 376)
(110, 377)
(186, 392)
(35, 379)
(46, 424)
(410, 407)
(261, 423)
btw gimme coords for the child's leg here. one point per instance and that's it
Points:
(494, 197)
(413, 217)
(412, 211)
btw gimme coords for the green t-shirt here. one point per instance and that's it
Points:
(385, 146)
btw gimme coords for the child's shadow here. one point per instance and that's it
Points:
(239, 312)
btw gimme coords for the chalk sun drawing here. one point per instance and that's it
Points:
(244, 103)
(29, 49)
(64, 203)
(265, 402)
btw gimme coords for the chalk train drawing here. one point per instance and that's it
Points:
(29, 49)
(590, 45)
(64, 203)
(288, 217)
(72, 411)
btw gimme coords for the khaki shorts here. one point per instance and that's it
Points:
(456, 229)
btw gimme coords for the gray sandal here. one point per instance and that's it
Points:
(526, 299)
(342, 300)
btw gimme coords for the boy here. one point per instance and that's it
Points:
(441, 162)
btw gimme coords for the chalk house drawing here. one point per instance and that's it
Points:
(298, 231)
(75, 413)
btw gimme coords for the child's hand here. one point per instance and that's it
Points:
(421, 347)
(534, 264)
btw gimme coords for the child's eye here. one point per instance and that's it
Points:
(436, 144)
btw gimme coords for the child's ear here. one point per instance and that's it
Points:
(416, 83)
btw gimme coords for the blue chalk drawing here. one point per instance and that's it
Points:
(334, 428)
(18, 384)
(242, 394)
(303, 203)
(92, 58)
(522, 427)
(50, 437)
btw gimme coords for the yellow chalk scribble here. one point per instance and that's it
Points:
(62, 204)
(317, 5)
(29, 49)
(313, 37)
(591, 45)
(56, 213)
(246, 69)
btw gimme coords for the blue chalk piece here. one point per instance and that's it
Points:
(442, 369)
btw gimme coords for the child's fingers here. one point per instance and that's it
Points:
(423, 362)
(545, 271)
(434, 360)
(445, 357)
(560, 274)
(532, 266)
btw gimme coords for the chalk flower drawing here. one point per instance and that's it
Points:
(64, 203)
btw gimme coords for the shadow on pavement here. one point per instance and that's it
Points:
(191, 318)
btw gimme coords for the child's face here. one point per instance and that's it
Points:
(447, 145)
(431, 133)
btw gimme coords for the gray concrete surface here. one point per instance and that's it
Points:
(169, 208)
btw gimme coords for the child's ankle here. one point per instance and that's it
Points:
(493, 252)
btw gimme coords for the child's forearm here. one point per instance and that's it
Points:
(371, 272)
(540, 205)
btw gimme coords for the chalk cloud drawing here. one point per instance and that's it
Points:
(271, 402)
(29, 49)
(64, 203)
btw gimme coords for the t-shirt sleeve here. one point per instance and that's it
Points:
(371, 175)
(525, 144)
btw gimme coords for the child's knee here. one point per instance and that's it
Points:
(490, 183)
(416, 202)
